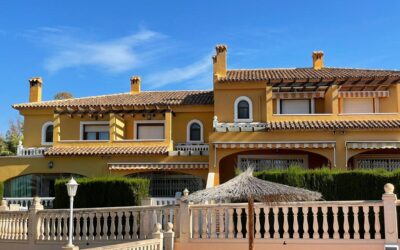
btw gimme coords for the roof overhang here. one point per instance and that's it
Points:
(158, 166)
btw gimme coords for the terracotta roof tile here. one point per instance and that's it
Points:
(304, 73)
(127, 99)
(106, 150)
(333, 125)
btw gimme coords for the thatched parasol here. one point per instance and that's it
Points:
(247, 187)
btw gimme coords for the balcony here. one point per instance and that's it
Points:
(186, 149)
(30, 152)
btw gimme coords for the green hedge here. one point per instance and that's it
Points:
(103, 192)
(336, 184)
(1, 190)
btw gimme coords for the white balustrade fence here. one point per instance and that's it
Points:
(191, 147)
(14, 225)
(303, 220)
(104, 224)
(28, 152)
(26, 202)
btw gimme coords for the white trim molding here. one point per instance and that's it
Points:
(43, 136)
(91, 123)
(135, 124)
(188, 131)
(235, 107)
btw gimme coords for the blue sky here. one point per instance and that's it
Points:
(93, 47)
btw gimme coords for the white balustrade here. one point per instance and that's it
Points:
(104, 224)
(14, 225)
(26, 202)
(29, 152)
(297, 220)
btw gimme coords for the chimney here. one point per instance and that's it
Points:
(135, 85)
(318, 59)
(35, 89)
(219, 60)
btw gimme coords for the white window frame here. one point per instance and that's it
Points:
(311, 101)
(135, 124)
(44, 128)
(236, 113)
(188, 131)
(82, 124)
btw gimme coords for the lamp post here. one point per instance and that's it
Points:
(72, 187)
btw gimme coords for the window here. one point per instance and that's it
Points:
(47, 133)
(243, 110)
(96, 132)
(153, 130)
(195, 131)
(358, 105)
(295, 106)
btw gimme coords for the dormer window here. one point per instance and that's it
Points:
(47, 133)
(195, 131)
(243, 109)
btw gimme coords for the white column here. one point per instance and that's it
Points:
(390, 214)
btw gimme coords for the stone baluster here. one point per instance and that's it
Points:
(97, 229)
(91, 226)
(377, 223)
(275, 228)
(246, 212)
(295, 211)
(203, 221)
(65, 227)
(135, 216)
(35, 222)
(127, 228)
(158, 235)
(196, 218)
(325, 233)
(112, 226)
(119, 228)
(367, 235)
(285, 223)
(346, 226)
(105, 226)
(222, 223)
(356, 225)
(53, 227)
(239, 223)
(1, 226)
(257, 221)
(213, 223)
(47, 228)
(267, 234)
(14, 230)
(335, 225)
(314, 210)
(58, 224)
(231, 229)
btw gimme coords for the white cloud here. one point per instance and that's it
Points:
(194, 73)
(68, 50)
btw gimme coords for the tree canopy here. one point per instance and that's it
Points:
(9, 142)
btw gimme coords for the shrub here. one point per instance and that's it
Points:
(103, 192)
(1, 190)
(336, 184)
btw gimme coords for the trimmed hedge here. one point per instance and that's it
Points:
(102, 192)
(1, 190)
(336, 184)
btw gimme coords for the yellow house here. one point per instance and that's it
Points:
(271, 118)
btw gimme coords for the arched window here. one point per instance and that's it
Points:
(47, 133)
(195, 131)
(243, 109)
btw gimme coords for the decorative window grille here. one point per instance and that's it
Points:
(166, 184)
(260, 164)
(388, 164)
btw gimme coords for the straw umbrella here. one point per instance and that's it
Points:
(247, 187)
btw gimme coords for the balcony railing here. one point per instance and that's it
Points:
(33, 151)
(190, 149)
(26, 202)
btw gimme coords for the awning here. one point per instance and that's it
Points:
(373, 145)
(363, 94)
(158, 166)
(276, 145)
(298, 95)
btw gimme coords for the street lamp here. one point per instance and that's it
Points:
(72, 187)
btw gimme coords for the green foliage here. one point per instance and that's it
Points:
(9, 142)
(109, 191)
(63, 96)
(1, 190)
(336, 184)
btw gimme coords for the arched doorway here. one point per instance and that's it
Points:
(269, 159)
(167, 184)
